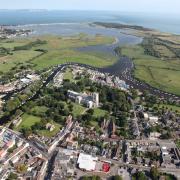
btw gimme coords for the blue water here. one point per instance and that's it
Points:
(162, 22)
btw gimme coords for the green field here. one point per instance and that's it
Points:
(78, 109)
(99, 112)
(47, 133)
(94, 124)
(55, 57)
(39, 110)
(59, 50)
(163, 74)
(9, 61)
(28, 121)
(68, 75)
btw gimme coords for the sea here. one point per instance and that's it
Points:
(162, 22)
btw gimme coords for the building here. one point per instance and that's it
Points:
(1, 103)
(153, 120)
(63, 166)
(87, 162)
(90, 100)
(50, 127)
(166, 158)
(146, 116)
(106, 167)
(17, 121)
(7, 88)
(154, 135)
(123, 172)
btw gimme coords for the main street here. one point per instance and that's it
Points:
(174, 171)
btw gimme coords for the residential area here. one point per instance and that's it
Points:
(83, 122)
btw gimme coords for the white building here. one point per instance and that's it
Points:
(146, 116)
(154, 135)
(90, 100)
(153, 120)
(87, 162)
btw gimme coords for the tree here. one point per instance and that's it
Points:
(21, 168)
(117, 177)
(70, 107)
(12, 176)
(141, 176)
(26, 132)
(134, 93)
(154, 173)
(90, 178)
(90, 111)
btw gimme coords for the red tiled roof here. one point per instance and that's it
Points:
(106, 167)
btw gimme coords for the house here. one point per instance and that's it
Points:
(6, 88)
(146, 116)
(63, 166)
(124, 173)
(10, 143)
(17, 121)
(153, 120)
(2, 153)
(1, 103)
(72, 145)
(2, 131)
(32, 77)
(146, 161)
(25, 81)
(154, 135)
(165, 156)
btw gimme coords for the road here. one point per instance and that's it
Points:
(174, 171)
(53, 153)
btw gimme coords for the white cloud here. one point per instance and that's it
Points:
(118, 5)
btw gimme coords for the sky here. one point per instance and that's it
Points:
(160, 6)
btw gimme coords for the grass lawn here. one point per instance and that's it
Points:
(78, 109)
(94, 124)
(163, 74)
(99, 112)
(47, 133)
(39, 110)
(68, 75)
(28, 121)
